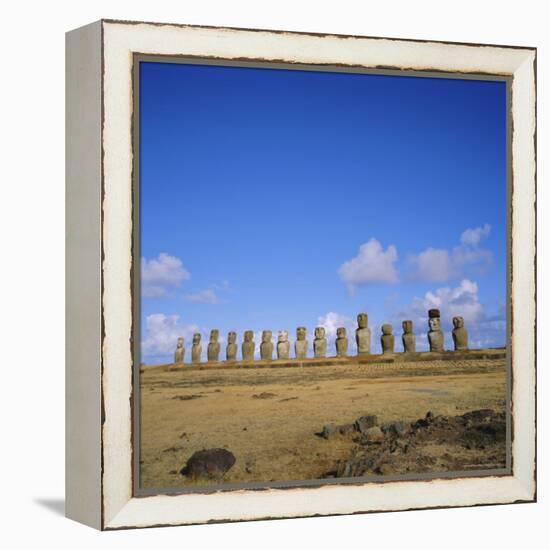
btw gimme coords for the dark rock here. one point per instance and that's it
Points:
(363, 423)
(209, 463)
(479, 416)
(396, 428)
(426, 421)
(344, 469)
(345, 429)
(330, 430)
(187, 397)
(173, 449)
(374, 434)
(264, 395)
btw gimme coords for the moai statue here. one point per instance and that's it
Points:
(320, 343)
(180, 351)
(362, 334)
(387, 339)
(248, 346)
(283, 345)
(409, 338)
(460, 334)
(231, 349)
(341, 342)
(196, 349)
(435, 334)
(266, 347)
(300, 346)
(213, 351)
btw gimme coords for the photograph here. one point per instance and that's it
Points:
(321, 280)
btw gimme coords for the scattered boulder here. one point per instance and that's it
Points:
(426, 421)
(187, 397)
(330, 430)
(363, 423)
(209, 463)
(264, 395)
(346, 429)
(374, 434)
(396, 428)
(474, 440)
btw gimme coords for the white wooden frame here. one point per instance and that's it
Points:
(99, 263)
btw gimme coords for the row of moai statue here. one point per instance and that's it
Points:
(362, 339)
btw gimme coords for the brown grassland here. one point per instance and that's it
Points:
(269, 417)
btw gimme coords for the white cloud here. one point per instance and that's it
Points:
(433, 265)
(160, 335)
(462, 300)
(331, 321)
(439, 265)
(162, 274)
(207, 296)
(471, 237)
(222, 285)
(372, 264)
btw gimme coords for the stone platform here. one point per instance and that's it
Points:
(366, 359)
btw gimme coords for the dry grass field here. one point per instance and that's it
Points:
(269, 417)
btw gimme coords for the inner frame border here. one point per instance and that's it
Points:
(137, 59)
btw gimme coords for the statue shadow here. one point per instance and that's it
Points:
(54, 505)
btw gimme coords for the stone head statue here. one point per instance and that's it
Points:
(266, 347)
(341, 342)
(248, 346)
(435, 334)
(458, 322)
(196, 349)
(214, 346)
(283, 345)
(408, 338)
(301, 333)
(320, 342)
(387, 339)
(180, 351)
(231, 348)
(362, 320)
(460, 334)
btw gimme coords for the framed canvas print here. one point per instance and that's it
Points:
(300, 274)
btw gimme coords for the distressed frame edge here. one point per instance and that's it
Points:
(524, 489)
(83, 321)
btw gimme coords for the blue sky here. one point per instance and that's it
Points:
(277, 198)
